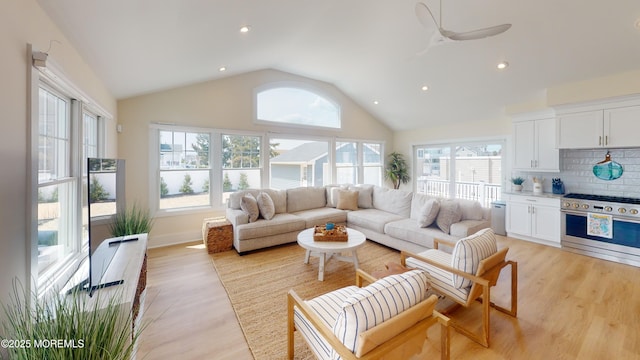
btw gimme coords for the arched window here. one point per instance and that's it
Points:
(293, 105)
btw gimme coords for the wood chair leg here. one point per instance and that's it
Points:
(290, 328)
(513, 310)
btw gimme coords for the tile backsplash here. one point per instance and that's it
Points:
(576, 171)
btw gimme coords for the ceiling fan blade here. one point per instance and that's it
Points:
(425, 16)
(477, 34)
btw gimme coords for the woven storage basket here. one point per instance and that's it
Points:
(217, 235)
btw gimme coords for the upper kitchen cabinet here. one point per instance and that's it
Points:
(610, 126)
(534, 142)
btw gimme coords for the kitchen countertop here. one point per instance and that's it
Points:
(531, 194)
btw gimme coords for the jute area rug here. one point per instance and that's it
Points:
(257, 285)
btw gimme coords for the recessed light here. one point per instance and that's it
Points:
(424, 88)
(376, 102)
(222, 68)
(245, 29)
(503, 65)
(637, 24)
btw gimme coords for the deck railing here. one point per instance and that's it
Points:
(480, 191)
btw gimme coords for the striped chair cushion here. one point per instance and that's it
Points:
(440, 280)
(468, 253)
(327, 307)
(377, 303)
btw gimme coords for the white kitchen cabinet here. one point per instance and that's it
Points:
(615, 127)
(535, 145)
(534, 218)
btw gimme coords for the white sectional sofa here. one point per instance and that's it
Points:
(387, 216)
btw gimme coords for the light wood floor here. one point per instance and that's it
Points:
(570, 307)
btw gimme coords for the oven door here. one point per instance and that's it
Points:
(623, 247)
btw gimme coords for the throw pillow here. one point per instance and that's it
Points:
(449, 214)
(266, 206)
(428, 213)
(365, 195)
(347, 200)
(469, 251)
(249, 206)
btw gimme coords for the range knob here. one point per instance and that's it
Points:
(585, 206)
(566, 204)
(576, 205)
(622, 210)
(633, 211)
(608, 208)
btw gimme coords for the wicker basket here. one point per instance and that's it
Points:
(338, 233)
(217, 235)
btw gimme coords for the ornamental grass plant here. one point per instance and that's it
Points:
(134, 220)
(67, 327)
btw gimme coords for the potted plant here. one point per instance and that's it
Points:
(71, 326)
(397, 170)
(517, 183)
(134, 220)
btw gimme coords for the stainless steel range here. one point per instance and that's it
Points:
(606, 227)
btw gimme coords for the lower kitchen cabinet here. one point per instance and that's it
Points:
(534, 218)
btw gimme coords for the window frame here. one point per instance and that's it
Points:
(451, 145)
(50, 78)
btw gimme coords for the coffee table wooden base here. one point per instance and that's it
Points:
(327, 250)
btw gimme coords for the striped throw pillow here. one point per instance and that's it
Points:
(468, 253)
(377, 303)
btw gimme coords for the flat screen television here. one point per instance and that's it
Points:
(105, 199)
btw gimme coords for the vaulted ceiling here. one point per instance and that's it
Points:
(371, 49)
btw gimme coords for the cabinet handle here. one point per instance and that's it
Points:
(529, 209)
(606, 140)
(600, 140)
(533, 210)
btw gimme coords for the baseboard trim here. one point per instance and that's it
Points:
(157, 241)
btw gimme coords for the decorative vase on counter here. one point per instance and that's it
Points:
(517, 187)
(557, 186)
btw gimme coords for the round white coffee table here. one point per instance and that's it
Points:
(325, 250)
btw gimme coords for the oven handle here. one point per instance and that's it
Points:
(614, 217)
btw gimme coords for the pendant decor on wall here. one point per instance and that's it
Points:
(607, 169)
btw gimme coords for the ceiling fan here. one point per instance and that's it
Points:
(426, 18)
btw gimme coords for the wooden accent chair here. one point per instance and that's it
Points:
(467, 274)
(354, 323)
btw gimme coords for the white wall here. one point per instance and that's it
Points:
(222, 104)
(22, 22)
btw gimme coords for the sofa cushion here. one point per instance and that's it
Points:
(347, 200)
(468, 253)
(465, 228)
(249, 205)
(323, 215)
(378, 302)
(406, 230)
(471, 209)
(428, 213)
(449, 214)
(279, 224)
(365, 195)
(304, 198)
(266, 206)
(372, 219)
(391, 200)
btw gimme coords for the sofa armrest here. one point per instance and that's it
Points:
(465, 228)
(237, 217)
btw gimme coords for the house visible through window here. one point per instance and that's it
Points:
(298, 162)
(474, 172)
